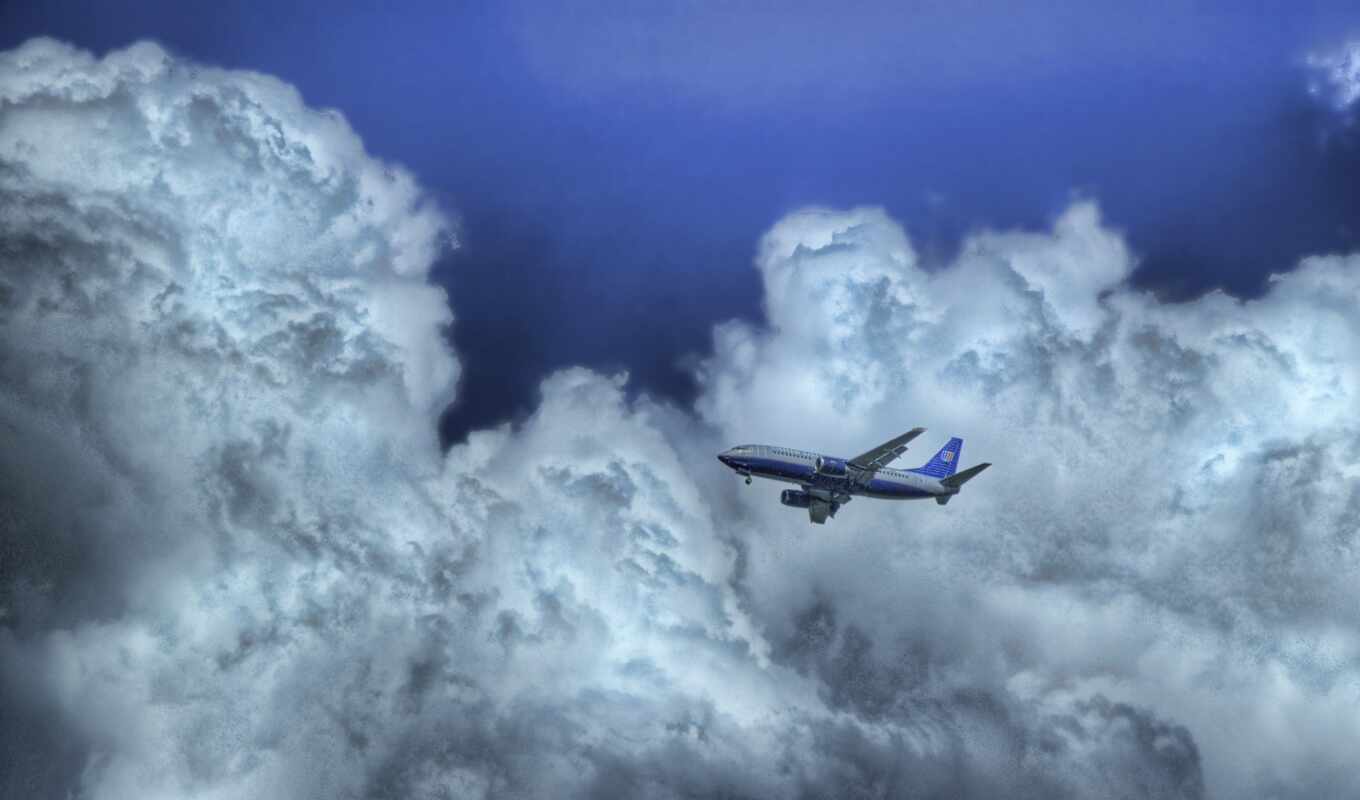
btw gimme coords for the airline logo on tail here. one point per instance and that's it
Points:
(948, 456)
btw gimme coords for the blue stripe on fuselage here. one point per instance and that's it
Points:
(879, 487)
(779, 468)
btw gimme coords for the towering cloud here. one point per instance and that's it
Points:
(221, 368)
(1172, 519)
(236, 563)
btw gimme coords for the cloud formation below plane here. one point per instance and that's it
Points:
(242, 567)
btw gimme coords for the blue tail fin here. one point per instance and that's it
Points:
(945, 462)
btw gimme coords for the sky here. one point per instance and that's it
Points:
(611, 164)
(361, 375)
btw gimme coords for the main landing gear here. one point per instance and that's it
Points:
(748, 480)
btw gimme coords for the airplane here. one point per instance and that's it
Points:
(829, 483)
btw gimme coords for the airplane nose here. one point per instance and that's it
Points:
(725, 458)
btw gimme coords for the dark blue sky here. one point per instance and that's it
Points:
(613, 167)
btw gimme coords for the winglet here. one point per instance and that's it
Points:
(960, 478)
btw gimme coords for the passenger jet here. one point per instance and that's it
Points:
(829, 483)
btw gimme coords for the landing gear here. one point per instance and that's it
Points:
(748, 480)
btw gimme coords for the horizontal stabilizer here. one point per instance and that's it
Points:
(960, 478)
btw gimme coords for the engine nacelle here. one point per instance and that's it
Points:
(795, 498)
(831, 466)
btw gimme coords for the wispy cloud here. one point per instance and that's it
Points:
(1337, 75)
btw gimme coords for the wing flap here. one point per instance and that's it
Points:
(884, 454)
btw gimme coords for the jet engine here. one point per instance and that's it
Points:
(795, 498)
(831, 466)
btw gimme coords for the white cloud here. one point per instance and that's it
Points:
(1338, 74)
(222, 370)
(1177, 479)
(244, 569)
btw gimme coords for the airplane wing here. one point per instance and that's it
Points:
(882, 455)
(824, 504)
(818, 511)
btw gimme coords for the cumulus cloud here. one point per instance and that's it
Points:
(220, 353)
(237, 565)
(1172, 515)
